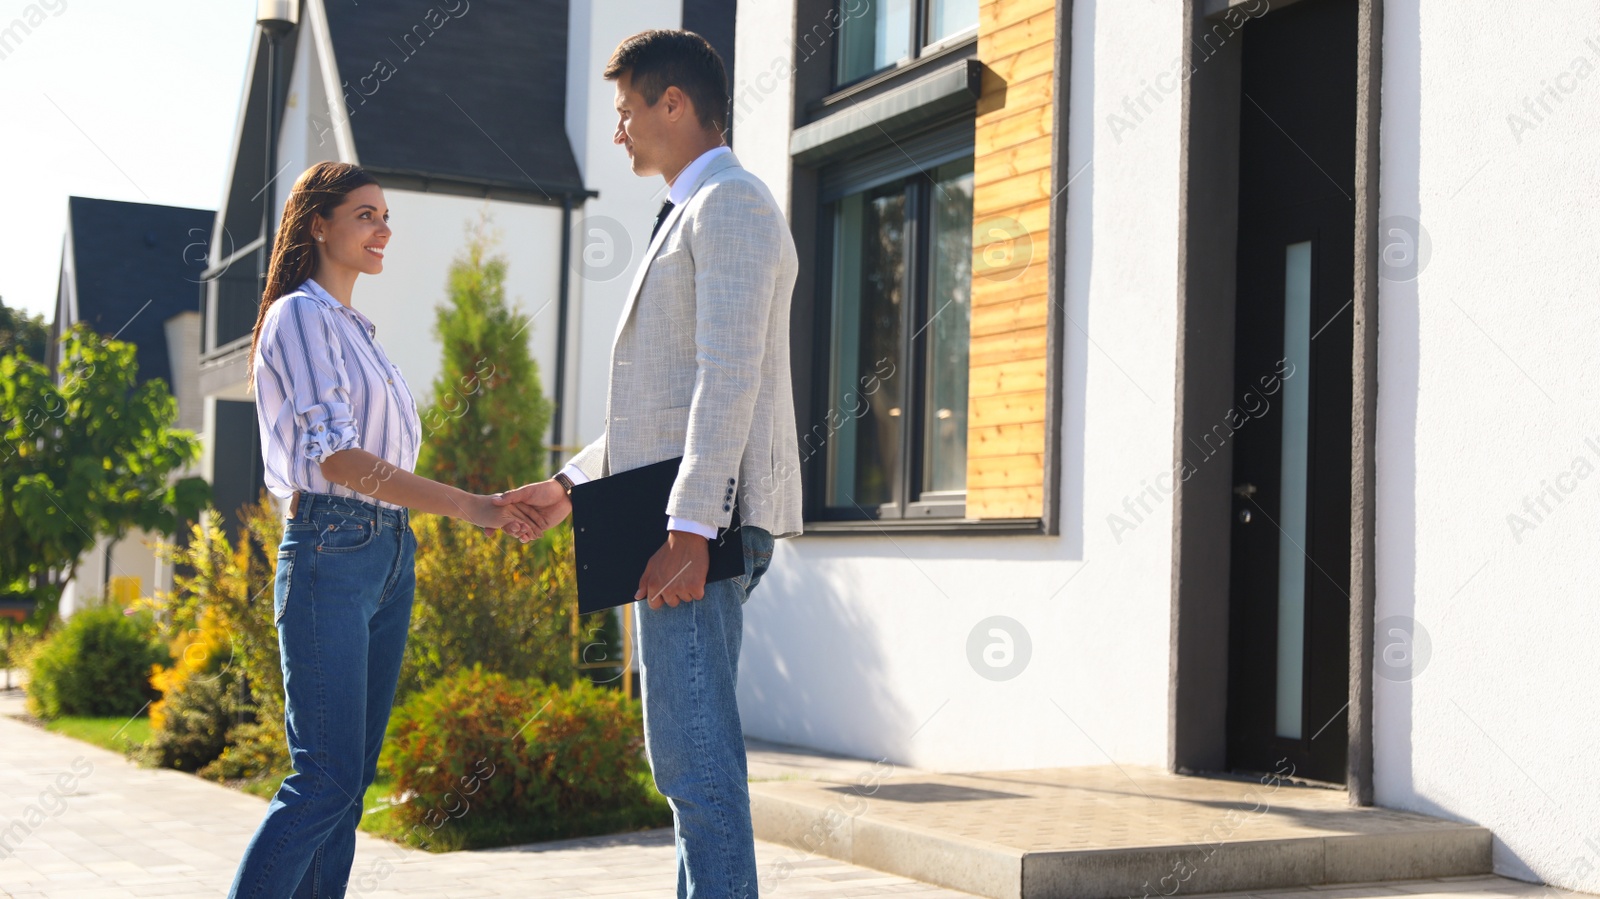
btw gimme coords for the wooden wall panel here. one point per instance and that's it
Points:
(1006, 391)
(1017, 313)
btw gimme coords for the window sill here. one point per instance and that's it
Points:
(239, 346)
(959, 45)
(953, 527)
(907, 106)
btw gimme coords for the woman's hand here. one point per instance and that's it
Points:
(513, 519)
(369, 475)
(545, 502)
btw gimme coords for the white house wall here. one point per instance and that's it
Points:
(859, 644)
(182, 332)
(308, 133)
(133, 557)
(429, 233)
(1488, 432)
(612, 230)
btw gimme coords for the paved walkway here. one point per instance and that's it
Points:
(78, 822)
(123, 831)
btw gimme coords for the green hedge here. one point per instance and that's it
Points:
(484, 760)
(195, 722)
(97, 664)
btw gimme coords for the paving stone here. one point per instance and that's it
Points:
(137, 832)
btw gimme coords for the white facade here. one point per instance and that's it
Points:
(1487, 425)
(612, 231)
(430, 232)
(1486, 444)
(858, 644)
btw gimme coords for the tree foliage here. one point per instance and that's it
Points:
(21, 331)
(484, 427)
(93, 455)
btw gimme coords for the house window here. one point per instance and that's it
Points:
(878, 35)
(893, 441)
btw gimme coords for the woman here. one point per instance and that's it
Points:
(339, 433)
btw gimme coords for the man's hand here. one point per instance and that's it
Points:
(545, 502)
(515, 520)
(677, 572)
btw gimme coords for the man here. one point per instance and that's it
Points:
(699, 369)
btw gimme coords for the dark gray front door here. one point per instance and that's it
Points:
(1290, 557)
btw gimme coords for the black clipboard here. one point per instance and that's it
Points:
(618, 523)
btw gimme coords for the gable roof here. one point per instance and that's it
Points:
(132, 267)
(448, 95)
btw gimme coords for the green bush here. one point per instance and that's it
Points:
(256, 751)
(220, 619)
(98, 663)
(223, 599)
(485, 600)
(195, 720)
(484, 760)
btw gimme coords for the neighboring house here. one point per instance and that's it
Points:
(1192, 384)
(459, 109)
(129, 270)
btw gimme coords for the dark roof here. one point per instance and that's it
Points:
(477, 96)
(128, 254)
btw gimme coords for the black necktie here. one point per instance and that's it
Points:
(666, 207)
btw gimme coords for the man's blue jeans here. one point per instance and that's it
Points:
(343, 606)
(689, 668)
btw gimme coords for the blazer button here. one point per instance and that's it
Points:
(726, 507)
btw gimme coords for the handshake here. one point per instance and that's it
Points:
(676, 573)
(526, 512)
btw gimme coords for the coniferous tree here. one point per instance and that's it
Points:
(484, 427)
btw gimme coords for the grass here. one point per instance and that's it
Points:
(117, 734)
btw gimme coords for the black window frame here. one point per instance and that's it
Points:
(818, 98)
(919, 157)
(921, 47)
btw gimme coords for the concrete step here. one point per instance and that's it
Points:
(1096, 832)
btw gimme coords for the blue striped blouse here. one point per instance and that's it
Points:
(324, 384)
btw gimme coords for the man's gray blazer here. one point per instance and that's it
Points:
(700, 363)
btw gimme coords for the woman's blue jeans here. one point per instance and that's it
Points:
(689, 668)
(343, 606)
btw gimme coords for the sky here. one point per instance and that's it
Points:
(115, 99)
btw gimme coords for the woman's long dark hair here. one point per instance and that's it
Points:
(318, 191)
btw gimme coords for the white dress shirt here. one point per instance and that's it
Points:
(323, 384)
(678, 193)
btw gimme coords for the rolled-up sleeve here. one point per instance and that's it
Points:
(302, 348)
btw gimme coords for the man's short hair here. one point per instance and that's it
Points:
(659, 59)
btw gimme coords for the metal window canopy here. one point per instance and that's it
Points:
(927, 99)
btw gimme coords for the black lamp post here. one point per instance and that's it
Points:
(277, 18)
